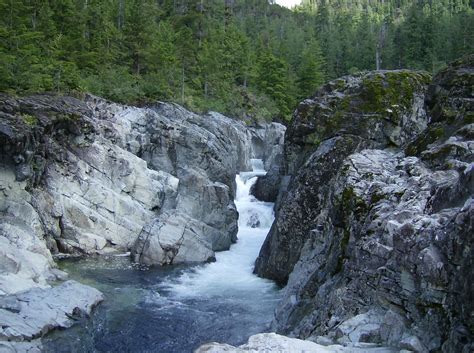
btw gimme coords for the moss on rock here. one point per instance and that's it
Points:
(29, 120)
(377, 106)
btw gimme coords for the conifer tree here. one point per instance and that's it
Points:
(311, 72)
(236, 56)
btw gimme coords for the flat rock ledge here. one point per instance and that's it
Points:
(29, 315)
(21, 347)
(272, 342)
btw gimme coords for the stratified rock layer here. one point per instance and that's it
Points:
(373, 238)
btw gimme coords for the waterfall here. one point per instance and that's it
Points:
(232, 273)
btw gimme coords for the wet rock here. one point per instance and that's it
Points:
(266, 187)
(33, 313)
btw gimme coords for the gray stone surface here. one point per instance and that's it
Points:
(266, 187)
(21, 347)
(373, 237)
(345, 116)
(175, 238)
(31, 314)
(271, 342)
(89, 176)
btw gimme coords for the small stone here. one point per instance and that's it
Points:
(323, 340)
(413, 344)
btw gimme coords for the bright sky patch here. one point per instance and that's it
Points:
(288, 3)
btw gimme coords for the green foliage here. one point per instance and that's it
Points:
(273, 80)
(249, 59)
(311, 71)
(115, 83)
(421, 34)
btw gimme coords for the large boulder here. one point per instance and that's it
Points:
(33, 313)
(374, 239)
(372, 110)
(267, 187)
(175, 238)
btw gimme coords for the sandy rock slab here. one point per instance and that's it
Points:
(272, 342)
(31, 314)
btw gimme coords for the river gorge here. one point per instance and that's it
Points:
(156, 229)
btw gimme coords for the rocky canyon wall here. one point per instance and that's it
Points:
(374, 233)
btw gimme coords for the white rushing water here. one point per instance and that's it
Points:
(231, 275)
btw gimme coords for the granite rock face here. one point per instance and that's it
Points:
(31, 314)
(373, 110)
(85, 176)
(373, 237)
(89, 176)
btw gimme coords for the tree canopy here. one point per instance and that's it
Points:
(245, 58)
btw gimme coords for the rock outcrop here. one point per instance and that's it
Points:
(85, 176)
(89, 176)
(373, 238)
(373, 110)
(31, 314)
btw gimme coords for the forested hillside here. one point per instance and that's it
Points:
(245, 58)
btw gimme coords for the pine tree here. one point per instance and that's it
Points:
(237, 56)
(311, 72)
(272, 79)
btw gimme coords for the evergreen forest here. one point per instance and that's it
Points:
(246, 58)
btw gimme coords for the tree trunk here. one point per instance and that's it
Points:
(120, 17)
(182, 86)
(380, 46)
(377, 59)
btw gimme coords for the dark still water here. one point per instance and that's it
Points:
(176, 309)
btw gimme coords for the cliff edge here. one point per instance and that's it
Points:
(373, 235)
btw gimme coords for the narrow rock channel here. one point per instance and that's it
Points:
(176, 309)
